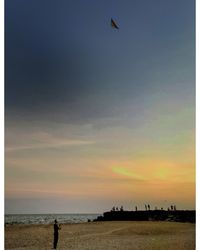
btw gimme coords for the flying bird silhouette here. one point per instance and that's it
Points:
(113, 24)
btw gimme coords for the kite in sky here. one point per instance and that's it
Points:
(113, 24)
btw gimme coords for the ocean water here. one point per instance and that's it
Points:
(48, 218)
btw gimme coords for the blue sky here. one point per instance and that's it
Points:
(116, 94)
(63, 55)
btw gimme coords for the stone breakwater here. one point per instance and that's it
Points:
(151, 215)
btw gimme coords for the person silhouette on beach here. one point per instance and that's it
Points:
(56, 228)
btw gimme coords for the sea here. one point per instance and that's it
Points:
(48, 218)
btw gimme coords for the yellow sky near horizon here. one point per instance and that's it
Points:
(159, 179)
(154, 161)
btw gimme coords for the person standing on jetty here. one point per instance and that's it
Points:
(56, 228)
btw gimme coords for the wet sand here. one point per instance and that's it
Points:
(118, 235)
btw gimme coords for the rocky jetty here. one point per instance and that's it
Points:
(151, 215)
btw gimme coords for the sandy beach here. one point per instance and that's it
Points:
(104, 235)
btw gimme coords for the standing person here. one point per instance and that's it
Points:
(56, 228)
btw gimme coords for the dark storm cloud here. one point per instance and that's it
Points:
(46, 66)
(63, 59)
(39, 68)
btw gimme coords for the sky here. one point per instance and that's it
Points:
(94, 116)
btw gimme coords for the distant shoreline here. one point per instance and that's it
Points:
(141, 215)
(42, 219)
